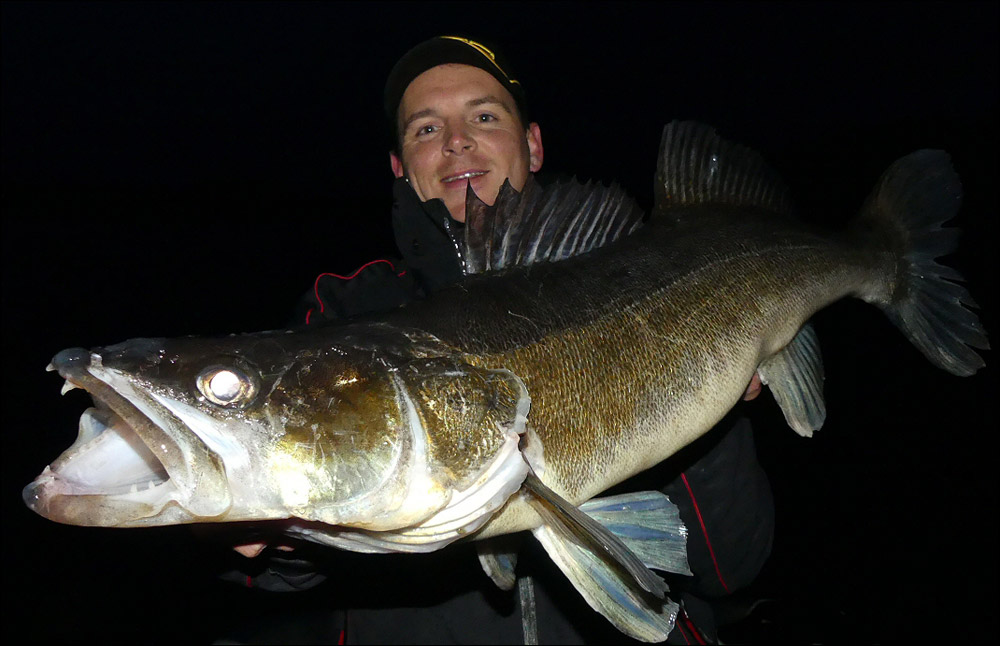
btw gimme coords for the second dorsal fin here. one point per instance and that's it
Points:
(697, 167)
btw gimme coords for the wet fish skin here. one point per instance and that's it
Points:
(407, 431)
(685, 310)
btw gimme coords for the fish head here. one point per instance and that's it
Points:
(341, 431)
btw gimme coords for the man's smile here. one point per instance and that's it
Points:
(463, 175)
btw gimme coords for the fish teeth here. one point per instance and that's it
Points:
(68, 386)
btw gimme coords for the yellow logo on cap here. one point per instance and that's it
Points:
(485, 52)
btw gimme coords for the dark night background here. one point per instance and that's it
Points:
(189, 168)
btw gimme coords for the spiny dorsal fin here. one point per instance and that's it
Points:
(696, 166)
(543, 224)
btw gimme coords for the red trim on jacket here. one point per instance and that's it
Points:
(704, 532)
(322, 306)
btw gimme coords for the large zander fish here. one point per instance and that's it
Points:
(582, 348)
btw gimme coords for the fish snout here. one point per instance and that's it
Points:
(34, 492)
(70, 361)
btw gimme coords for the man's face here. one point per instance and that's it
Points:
(459, 126)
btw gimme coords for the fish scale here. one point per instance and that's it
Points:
(590, 350)
(695, 338)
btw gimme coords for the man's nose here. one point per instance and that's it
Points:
(458, 140)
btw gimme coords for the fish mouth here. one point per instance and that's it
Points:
(108, 459)
(130, 461)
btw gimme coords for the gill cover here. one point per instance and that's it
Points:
(455, 461)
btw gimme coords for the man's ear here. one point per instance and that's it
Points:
(536, 153)
(396, 163)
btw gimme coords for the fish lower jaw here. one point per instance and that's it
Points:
(58, 484)
(67, 501)
(52, 483)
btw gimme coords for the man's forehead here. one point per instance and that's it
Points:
(467, 85)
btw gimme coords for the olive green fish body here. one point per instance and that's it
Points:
(635, 350)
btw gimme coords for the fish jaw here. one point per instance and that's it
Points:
(133, 463)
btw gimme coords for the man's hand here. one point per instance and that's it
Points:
(753, 389)
(253, 550)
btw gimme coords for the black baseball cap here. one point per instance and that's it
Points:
(442, 50)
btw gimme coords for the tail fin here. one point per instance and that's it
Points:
(915, 196)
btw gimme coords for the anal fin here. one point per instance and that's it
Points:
(795, 377)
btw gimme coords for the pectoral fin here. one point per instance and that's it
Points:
(649, 525)
(575, 526)
(795, 376)
(605, 553)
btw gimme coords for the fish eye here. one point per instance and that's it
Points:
(225, 385)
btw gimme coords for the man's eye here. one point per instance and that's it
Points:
(486, 118)
(425, 130)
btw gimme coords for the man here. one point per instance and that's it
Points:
(458, 126)
(459, 118)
